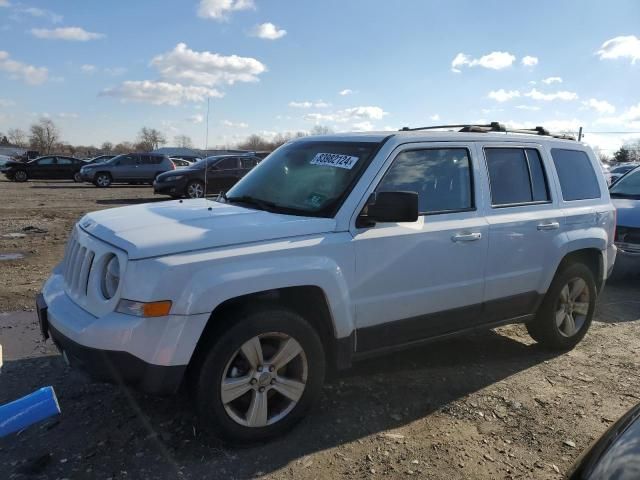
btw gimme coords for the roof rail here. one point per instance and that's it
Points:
(493, 127)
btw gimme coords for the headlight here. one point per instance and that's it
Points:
(173, 178)
(110, 277)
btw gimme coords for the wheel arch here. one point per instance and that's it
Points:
(592, 257)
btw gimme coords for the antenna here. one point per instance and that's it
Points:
(206, 147)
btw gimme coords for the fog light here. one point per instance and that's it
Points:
(144, 309)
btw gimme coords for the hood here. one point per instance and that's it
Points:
(628, 211)
(156, 229)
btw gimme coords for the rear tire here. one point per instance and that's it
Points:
(20, 176)
(102, 180)
(284, 354)
(77, 177)
(567, 309)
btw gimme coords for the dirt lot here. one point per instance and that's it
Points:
(491, 405)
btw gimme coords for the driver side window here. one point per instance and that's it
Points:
(440, 176)
(47, 161)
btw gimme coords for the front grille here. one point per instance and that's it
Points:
(77, 265)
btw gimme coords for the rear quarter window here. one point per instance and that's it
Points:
(578, 180)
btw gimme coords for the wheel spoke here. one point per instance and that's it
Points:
(581, 308)
(577, 288)
(233, 388)
(252, 350)
(291, 389)
(258, 411)
(569, 325)
(564, 294)
(288, 351)
(560, 314)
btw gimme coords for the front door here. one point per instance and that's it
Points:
(426, 278)
(127, 168)
(45, 168)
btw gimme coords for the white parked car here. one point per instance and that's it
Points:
(333, 249)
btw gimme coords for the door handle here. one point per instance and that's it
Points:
(549, 226)
(466, 237)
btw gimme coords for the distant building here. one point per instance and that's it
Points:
(179, 151)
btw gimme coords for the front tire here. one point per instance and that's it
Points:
(77, 177)
(567, 309)
(20, 176)
(102, 180)
(260, 377)
(195, 189)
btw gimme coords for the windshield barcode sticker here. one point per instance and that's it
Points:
(334, 160)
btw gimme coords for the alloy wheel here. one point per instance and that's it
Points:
(264, 380)
(195, 190)
(20, 176)
(103, 181)
(572, 307)
(76, 177)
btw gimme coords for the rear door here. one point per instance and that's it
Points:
(246, 164)
(226, 173)
(525, 235)
(64, 167)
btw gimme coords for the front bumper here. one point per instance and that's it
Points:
(628, 259)
(150, 354)
(173, 188)
(87, 176)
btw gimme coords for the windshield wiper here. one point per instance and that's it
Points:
(249, 200)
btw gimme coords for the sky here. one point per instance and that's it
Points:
(103, 70)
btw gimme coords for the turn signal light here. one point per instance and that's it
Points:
(144, 309)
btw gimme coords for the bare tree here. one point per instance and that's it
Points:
(150, 139)
(254, 142)
(124, 147)
(183, 141)
(107, 147)
(17, 136)
(320, 130)
(44, 135)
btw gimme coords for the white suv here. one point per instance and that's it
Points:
(334, 248)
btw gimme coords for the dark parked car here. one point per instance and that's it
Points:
(615, 455)
(99, 159)
(127, 168)
(50, 167)
(222, 173)
(625, 196)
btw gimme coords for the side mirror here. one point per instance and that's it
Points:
(390, 207)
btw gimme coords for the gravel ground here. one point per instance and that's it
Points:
(490, 405)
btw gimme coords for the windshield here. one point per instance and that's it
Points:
(305, 177)
(627, 186)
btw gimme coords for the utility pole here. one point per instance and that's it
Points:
(206, 138)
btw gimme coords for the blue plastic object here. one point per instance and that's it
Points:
(26, 411)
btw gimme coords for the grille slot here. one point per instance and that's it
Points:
(78, 262)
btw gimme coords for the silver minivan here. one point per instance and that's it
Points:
(127, 168)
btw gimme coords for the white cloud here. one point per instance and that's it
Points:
(229, 123)
(4, 3)
(493, 61)
(68, 115)
(354, 114)
(18, 70)
(206, 68)
(531, 108)
(600, 106)
(42, 13)
(550, 80)
(74, 34)
(6, 103)
(365, 126)
(220, 9)
(159, 93)
(115, 71)
(435, 117)
(88, 68)
(197, 118)
(503, 95)
(308, 104)
(563, 126)
(346, 91)
(548, 97)
(529, 61)
(268, 31)
(621, 47)
(630, 118)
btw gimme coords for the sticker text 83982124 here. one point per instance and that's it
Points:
(334, 160)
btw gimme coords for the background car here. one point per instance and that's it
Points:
(188, 158)
(625, 195)
(99, 159)
(615, 173)
(50, 167)
(222, 173)
(127, 168)
(181, 163)
(3, 162)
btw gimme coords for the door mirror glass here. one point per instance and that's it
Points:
(391, 207)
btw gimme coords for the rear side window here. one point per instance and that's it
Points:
(248, 162)
(578, 181)
(441, 178)
(227, 164)
(64, 161)
(516, 176)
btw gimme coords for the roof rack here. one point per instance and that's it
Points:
(493, 127)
